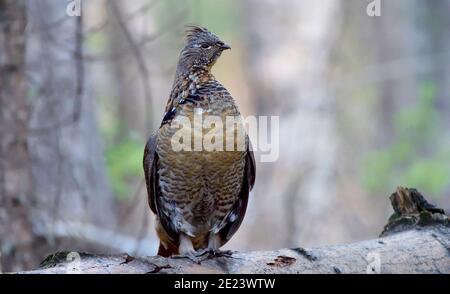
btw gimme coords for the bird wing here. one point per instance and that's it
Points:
(235, 218)
(150, 169)
(154, 192)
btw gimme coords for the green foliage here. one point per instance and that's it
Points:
(417, 157)
(123, 156)
(220, 16)
(124, 162)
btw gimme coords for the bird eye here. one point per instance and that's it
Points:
(206, 46)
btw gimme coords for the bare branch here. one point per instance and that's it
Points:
(145, 78)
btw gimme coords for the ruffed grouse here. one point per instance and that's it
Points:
(199, 197)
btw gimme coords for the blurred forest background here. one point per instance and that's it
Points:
(364, 106)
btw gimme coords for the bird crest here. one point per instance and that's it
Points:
(195, 31)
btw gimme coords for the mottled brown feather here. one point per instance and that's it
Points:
(201, 193)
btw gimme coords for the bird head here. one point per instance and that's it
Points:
(202, 48)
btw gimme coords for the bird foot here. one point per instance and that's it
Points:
(204, 254)
(194, 256)
(211, 253)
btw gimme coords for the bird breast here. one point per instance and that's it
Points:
(199, 187)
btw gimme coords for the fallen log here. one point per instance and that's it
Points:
(415, 240)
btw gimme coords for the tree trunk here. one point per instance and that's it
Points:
(16, 184)
(66, 142)
(51, 161)
(288, 72)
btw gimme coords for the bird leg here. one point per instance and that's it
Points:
(213, 249)
(186, 250)
(214, 241)
(214, 245)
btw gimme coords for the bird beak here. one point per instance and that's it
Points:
(225, 46)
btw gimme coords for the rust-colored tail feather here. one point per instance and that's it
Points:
(167, 252)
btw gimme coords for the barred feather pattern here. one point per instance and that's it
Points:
(198, 189)
(199, 194)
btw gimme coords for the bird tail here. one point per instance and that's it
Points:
(167, 252)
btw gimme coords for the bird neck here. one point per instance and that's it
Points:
(196, 74)
(186, 67)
